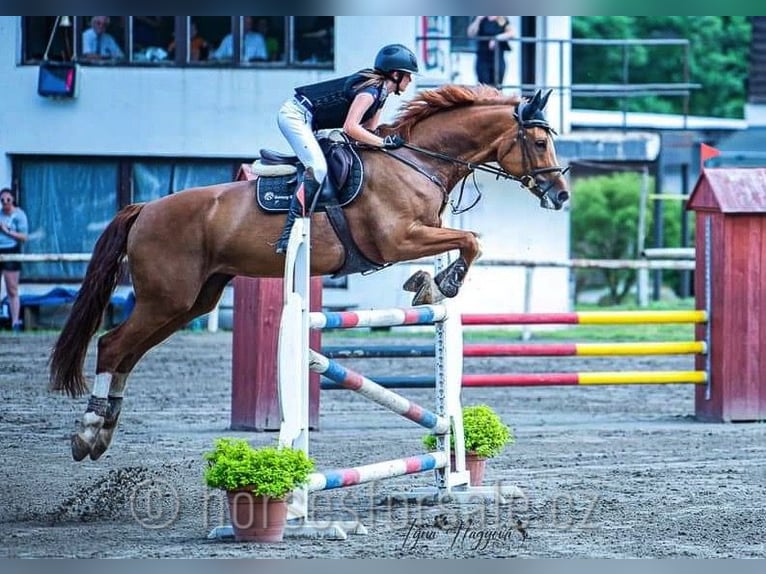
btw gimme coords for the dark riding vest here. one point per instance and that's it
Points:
(331, 100)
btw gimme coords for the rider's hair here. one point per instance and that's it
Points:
(371, 78)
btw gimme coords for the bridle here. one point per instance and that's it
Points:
(528, 179)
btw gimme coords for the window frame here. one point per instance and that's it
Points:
(181, 27)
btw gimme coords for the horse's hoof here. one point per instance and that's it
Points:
(449, 289)
(80, 447)
(416, 281)
(98, 449)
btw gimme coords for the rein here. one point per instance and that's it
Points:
(528, 180)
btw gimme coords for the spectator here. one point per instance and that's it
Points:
(493, 33)
(98, 44)
(253, 44)
(13, 232)
(198, 46)
(272, 44)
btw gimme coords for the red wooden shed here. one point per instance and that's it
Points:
(257, 313)
(730, 206)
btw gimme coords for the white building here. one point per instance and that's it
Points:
(140, 129)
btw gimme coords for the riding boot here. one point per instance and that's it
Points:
(310, 189)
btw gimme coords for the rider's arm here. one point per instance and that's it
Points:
(353, 126)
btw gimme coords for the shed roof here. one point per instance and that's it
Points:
(730, 190)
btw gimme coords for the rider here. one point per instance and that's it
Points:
(352, 102)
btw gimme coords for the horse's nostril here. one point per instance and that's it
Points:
(562, 196)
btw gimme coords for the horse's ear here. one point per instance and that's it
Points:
(544, 101)
(535, 102)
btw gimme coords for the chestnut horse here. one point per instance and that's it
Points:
(183, 249)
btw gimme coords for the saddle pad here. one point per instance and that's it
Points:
(274, 193)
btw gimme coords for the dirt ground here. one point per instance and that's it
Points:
(606, 471)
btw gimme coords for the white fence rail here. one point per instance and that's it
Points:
(673, 259)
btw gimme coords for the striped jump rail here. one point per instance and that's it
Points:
(421, 315)
(585, 318)
(340, 478)
(544, 379)
(348, 379)
(521, 350)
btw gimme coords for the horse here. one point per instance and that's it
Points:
(183, 249)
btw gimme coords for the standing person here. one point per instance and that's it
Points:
(490, 52)
(98, 44)
(353, 103)
(13, 232)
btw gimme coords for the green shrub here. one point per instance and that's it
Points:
(267, 471)
(483, 431)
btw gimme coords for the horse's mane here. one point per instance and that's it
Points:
(428, 102)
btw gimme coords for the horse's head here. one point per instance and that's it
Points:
(531, 155)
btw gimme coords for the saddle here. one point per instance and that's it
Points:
(279, 175)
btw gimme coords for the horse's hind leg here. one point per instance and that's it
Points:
(206, 300)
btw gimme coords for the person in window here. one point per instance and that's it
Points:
(198, 46)
(263, 27)
(98, 44)
(353, 103)
(13, 232)
(253, 44)
(490, 53)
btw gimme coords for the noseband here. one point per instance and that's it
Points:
(529, 179)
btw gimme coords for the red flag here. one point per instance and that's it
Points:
(706, 152)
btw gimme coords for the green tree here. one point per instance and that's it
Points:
(604, 226)
(605, 214)
(718, 61)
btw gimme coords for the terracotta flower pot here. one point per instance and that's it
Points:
(256, 518)
(475, 464)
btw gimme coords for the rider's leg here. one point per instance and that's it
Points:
(310, 190)
(295, 124)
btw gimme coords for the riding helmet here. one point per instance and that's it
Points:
(396, 57)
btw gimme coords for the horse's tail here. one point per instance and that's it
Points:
(69, 352)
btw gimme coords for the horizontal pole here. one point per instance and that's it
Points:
(685, 253)
(45, 257)
(595, 378)
(353, 381)
(544, 379)
(586, 318)
(421, 315)
(367, 473)
(520, 350)
(590, 263)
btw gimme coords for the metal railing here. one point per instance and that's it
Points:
(624, 89)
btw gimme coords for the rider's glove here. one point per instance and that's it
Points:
(393, 141)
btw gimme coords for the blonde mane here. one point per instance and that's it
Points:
(429, 102)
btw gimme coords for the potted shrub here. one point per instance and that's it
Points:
(257, 482)
(485, 436)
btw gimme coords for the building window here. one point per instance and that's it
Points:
(103, 39)
(38, 31)
(70, 201)
(273, 41)
(151, 38)
(313, 40)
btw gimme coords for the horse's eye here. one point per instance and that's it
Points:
(542, 145)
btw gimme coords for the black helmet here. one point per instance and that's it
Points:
(396, 57)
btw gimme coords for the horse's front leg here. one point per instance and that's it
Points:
(426, 241)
